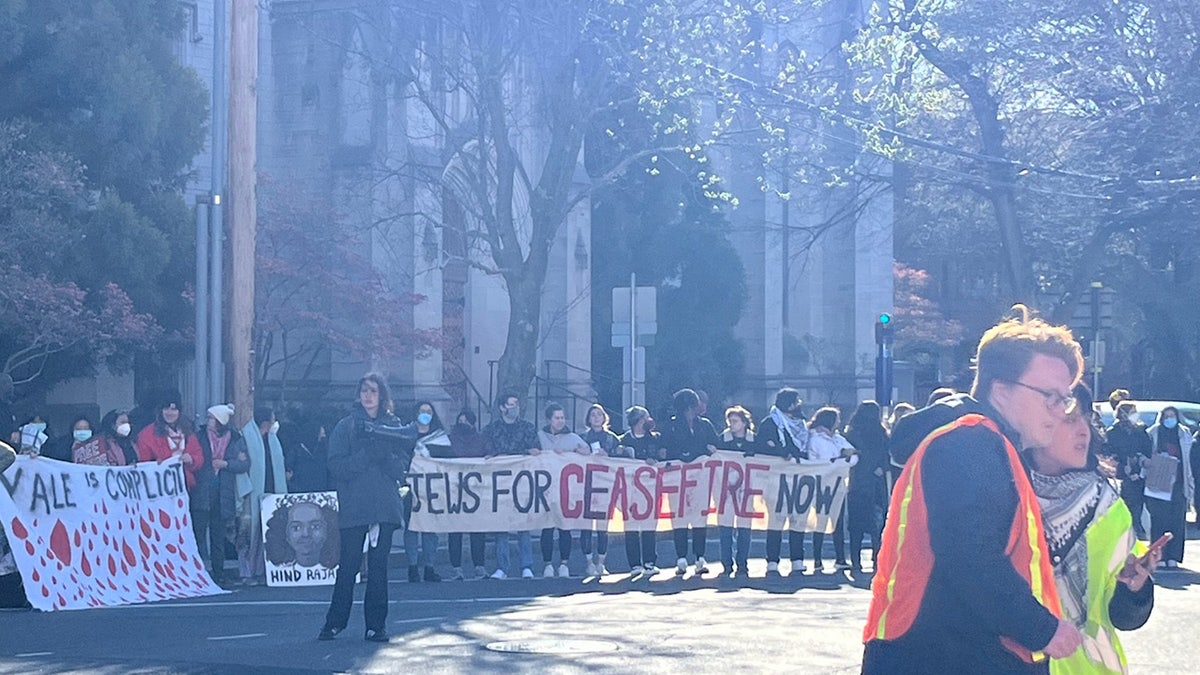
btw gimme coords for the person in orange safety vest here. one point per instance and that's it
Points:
(964, 583)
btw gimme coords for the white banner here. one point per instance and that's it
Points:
(579, 492)
(90, 536)
(300, 538)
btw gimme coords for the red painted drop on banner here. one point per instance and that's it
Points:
(60, 543)
(18, 530)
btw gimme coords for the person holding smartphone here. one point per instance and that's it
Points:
(1101, 569)
(602, 442)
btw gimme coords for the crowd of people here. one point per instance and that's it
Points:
(999, 499)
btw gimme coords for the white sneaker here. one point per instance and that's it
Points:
(701, 566)
(480, 572)
(637, 569)
(772, 568)
(526, 573)
(601, 570)
(681, 566)
(499, 574)
(548, 572)
(651, 569)
(591, 569)
(798, 567)
(564, 571)
(458, 575)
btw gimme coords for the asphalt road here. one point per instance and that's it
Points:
(809, 623)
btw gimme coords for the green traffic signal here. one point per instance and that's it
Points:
(885, 318)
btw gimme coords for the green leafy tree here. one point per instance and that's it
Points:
(106, 122)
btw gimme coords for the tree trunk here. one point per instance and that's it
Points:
(518, 363)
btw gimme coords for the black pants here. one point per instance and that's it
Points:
(564, 545)
(1132, 493)
(1169, 517)
(839, 541)
(775, 543)
(864, 516)
(585, 542)
(478, 539)
(209, 531)
(640, 548)
(699, 541)
(375, 601)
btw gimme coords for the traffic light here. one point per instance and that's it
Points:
(884, 332)
(884, 329)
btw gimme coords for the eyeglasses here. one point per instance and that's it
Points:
(1055, 401)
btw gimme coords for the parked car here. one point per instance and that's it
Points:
(1189, 412)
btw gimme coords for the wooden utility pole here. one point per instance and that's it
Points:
(243, 107)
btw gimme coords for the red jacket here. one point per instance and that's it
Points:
(152, 447)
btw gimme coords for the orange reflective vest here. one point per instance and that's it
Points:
(906, 557)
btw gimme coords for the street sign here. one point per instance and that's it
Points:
(646, 333)
(646, 300)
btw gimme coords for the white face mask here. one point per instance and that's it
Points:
(123, 429)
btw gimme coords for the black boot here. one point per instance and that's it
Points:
(414, 574)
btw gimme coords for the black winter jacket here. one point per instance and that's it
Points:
(768, 440)
(974, 594)
(687, 444)
(368, 469)
(221, 488)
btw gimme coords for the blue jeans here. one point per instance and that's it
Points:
(428, 544)
(524, 550)
(728, 535)
(428, 540)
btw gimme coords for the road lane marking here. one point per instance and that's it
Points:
(28, 655)
(423, 619)
(237, 637)
(321, 603)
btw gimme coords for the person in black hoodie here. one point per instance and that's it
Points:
(737, 437)
(687, 438)
(641, 442)
(1128, 441)
(867, 499)
(952, 595)
(368, 462)
(784, 434)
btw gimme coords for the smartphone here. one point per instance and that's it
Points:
(1158, 544)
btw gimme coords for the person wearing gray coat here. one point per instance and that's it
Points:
(368, 460)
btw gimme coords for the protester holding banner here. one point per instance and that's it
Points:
(687, 437)
(368, 463)
(108, 447)
(603, 442)
(783, 433)
(511, 435)
(826, 444)
(866, 502)
(432, 441)
(737, 437)
(168, 436)
(1171, 444)
(12, 592)
(266, 475)
(466, 442)
(556, 437)
(643, 443)
(214, 507)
